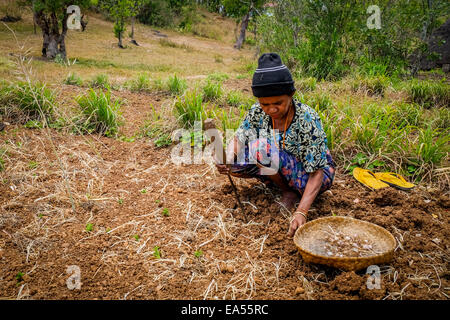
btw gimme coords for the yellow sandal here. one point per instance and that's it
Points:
(394, 180)
(368, 178)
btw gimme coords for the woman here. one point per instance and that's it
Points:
(286, 132)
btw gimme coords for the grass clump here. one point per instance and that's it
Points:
(158, 128)
(231, 118)
(212, 91)
(371, 85)
(218, 76)
(2, 161)
(100, 81)
(100, 113)
(169, 43)
(23, 101)
(306, 84)
(317, 101)
(429, 93)
(234, 98)
(140, 83)
(73, 79)
(189, 108)
(176, 85)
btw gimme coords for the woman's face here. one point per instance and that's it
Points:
(277, 106)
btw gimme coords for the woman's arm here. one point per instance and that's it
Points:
(309, 195)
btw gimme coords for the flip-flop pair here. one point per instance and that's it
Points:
(380, 180)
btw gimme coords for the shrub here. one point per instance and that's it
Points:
(99, 113)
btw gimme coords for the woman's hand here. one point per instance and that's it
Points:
(223, 168)
(297, 221)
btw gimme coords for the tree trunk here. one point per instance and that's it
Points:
(83, 23)
(53, 41)
(244, 25)
(120, 40)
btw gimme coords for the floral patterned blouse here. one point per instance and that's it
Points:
(305, 137)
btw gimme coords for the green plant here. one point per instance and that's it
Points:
(317, 101)
(406, 114)
(198, 253)
(33, 165)
(371, 85)
(231, 118)
(189, 108)
(157, 252)
(168, 43)
(306, 84)
(19, 277)
(176, 85)
(141, 83)
(89, 227)
(120, 201)
(73, 79)
(212, 91)
(165, 212)
(24, 101)
(163, 140)
(34, 124)
(100, 113)
(218, 76)
(2, 161)
(432, 145)
(144, 191)
(136, 237)
(100, 81)
(429, 93)
(234, 98)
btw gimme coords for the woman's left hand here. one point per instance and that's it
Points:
(297, 221)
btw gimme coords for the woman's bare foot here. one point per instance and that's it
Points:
(289, 199)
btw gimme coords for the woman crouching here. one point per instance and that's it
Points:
(282, 141)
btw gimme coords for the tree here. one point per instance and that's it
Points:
(242, 9)
(120, 11)
(51, 16)
(136, 7)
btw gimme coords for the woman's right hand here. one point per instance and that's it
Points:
(223, 168)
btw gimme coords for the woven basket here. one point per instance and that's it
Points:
(309, 241)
